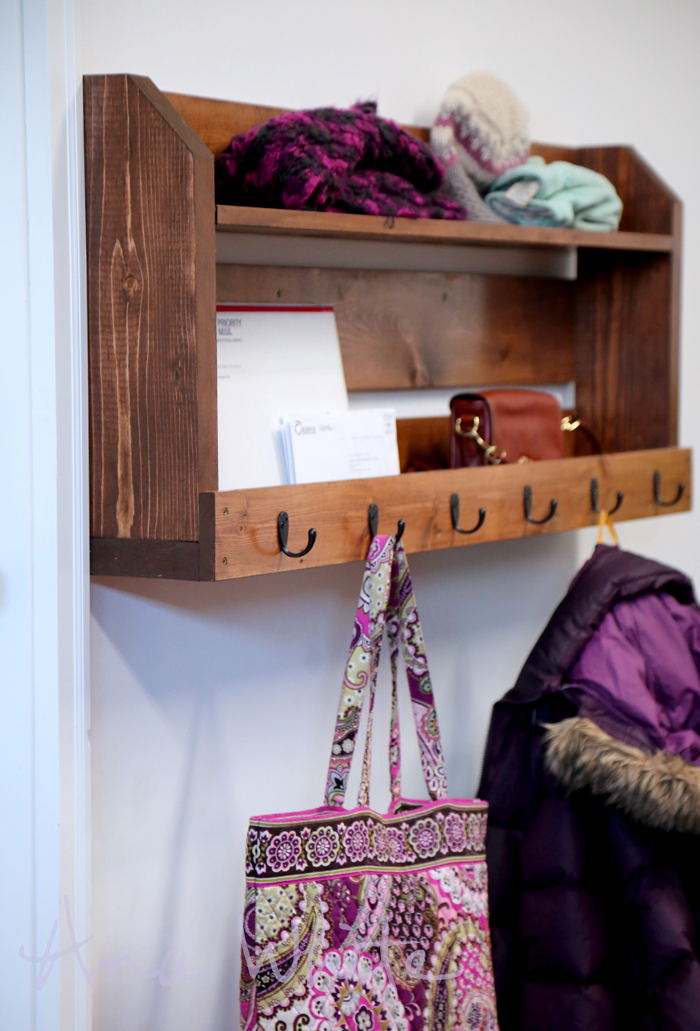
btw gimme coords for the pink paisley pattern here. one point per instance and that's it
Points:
(322, 846)
(425, 838)
(360, 922)
(403, 625)
(361, 667)
(455, 834)
(284, 852)
(386, 598)
(452, 829)
(409, 951)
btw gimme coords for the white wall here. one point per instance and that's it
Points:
(215, 702)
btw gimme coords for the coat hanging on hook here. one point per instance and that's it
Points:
(599, 741)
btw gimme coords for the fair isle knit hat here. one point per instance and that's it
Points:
(481, 130)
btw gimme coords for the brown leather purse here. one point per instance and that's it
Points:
(506, 426)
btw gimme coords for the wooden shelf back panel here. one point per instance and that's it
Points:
(401, 330)
(151, 297)
(336, 225)
(424, 442)
(216, 122)
(239, 528)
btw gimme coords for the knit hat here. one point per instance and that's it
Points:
(480, 131)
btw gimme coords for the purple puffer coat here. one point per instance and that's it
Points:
(592, 774)
(334, 160)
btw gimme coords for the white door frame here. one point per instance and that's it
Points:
(44, 584)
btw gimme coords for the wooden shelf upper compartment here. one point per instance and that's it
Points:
(338, 226)
(154, 232)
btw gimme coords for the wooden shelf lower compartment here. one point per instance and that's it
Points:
(238, 529)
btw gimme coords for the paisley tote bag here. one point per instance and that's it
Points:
(357, 920)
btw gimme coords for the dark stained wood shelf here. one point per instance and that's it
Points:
(153, 284)
(338, 226)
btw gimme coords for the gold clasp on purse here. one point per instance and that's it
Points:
(493, 454)
(568, 426)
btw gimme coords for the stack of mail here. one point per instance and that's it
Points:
(270, 360)
(340, 445)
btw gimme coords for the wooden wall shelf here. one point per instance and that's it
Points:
(238, 528)
(407, 230)
(153, 282)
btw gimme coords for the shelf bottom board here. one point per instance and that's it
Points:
(158, 560)
(238, 529)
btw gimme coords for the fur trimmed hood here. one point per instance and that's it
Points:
(659, 790)
(615, 679)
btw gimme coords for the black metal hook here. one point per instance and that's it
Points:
(657, 491)
(594, 499)
(454, 512)
(527, 504)
(283, 537)
(373, 519)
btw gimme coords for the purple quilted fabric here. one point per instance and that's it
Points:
(334, 160)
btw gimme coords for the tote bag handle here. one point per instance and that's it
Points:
(386, 599)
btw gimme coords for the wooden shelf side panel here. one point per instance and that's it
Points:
(648, 203)
(151, 297)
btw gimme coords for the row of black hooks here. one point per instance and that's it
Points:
(373, 515)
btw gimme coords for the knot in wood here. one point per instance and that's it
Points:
(130, 286)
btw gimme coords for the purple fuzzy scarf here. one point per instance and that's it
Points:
(334, 160)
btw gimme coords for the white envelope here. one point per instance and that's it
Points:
(324, 446)
(270, 359)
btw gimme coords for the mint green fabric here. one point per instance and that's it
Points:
(569, 196)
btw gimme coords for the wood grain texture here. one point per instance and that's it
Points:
(402, 330)
(336, 225)
(674, 342)
(424, 442)
(217, 121)
(647, 200)
(166, 560)
(152, 346)
(625, 379)
(242, 526)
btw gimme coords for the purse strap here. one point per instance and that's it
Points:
(386, 600)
